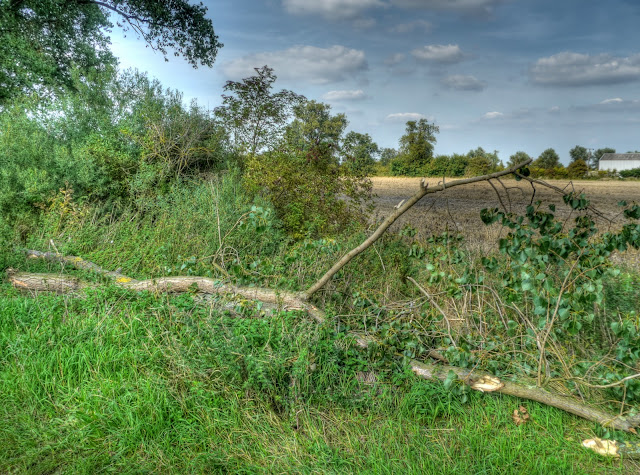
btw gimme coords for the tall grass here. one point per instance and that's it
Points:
(136, 383)
(115, 381)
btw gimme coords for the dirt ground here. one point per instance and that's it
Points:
(458, 209)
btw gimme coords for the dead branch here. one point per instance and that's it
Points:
(424, 190)
(64, 284)
(470, 377)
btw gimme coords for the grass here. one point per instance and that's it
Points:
(112, 381)
(133, 383)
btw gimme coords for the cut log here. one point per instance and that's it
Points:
(440, 372)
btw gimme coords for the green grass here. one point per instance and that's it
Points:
(112, 381)
(137, 383)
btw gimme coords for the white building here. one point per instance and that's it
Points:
(619, 161)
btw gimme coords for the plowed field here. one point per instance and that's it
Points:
(458, 209)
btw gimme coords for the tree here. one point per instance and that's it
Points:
(316, 132)
(42, 41)
(579, 153)
(255, 116)
(548, 159)
(482, 162)
(416, 148)
(577, 169)
(387, 155)
(359, 152)
(303, 178)
(517, 157)
(595, 158)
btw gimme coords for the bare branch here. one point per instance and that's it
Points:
(394, 216)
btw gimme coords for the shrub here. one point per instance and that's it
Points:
(577, 169)
(311, 197)
(633, 173)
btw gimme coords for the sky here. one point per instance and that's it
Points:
(504, 75)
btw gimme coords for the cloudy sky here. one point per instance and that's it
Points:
(504, 75)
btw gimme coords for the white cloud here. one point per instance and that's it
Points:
(412, 26)
(575, 69)
(307, 63)
(394, 59)
(492, 115)
(463, 83)
(617, 104)
(330, 9)
(336, 96)
(554, 109)
(404, 117)
(615, 100)
(445, 54)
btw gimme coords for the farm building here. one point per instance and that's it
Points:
(619, 161)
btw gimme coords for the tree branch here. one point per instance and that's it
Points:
(432, 371)
(424, 190)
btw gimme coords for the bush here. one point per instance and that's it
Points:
(308, 195)
(577, 169)
(115, 140)
(633, 173)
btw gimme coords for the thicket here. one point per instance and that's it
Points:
(120, 140)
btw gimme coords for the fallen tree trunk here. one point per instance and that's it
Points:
(64, 284)
(477, 380)
(532, 392)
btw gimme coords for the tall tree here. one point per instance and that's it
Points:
(387, 155)
(316, 132)
(579, 153)
(359, 152)
(416, 148)
(517, 157)
(42, 41)
(253, 114)
(548, 159)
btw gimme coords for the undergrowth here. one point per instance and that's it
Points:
(113, 380)
(116, 381)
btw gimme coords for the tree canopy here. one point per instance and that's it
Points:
(416, 148)
(253, 114)
(43, 41)
(359, 152)
(547, 159)
(579, 153)
(517, 157)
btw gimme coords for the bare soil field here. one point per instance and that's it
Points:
(458, 209)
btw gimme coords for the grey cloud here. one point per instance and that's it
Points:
(306, 63)
(412, 26)
(394, 59)
(463, 83)
(482, 7)
(330, 9)
(364, 23)
(574, 69)
(444, 54)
